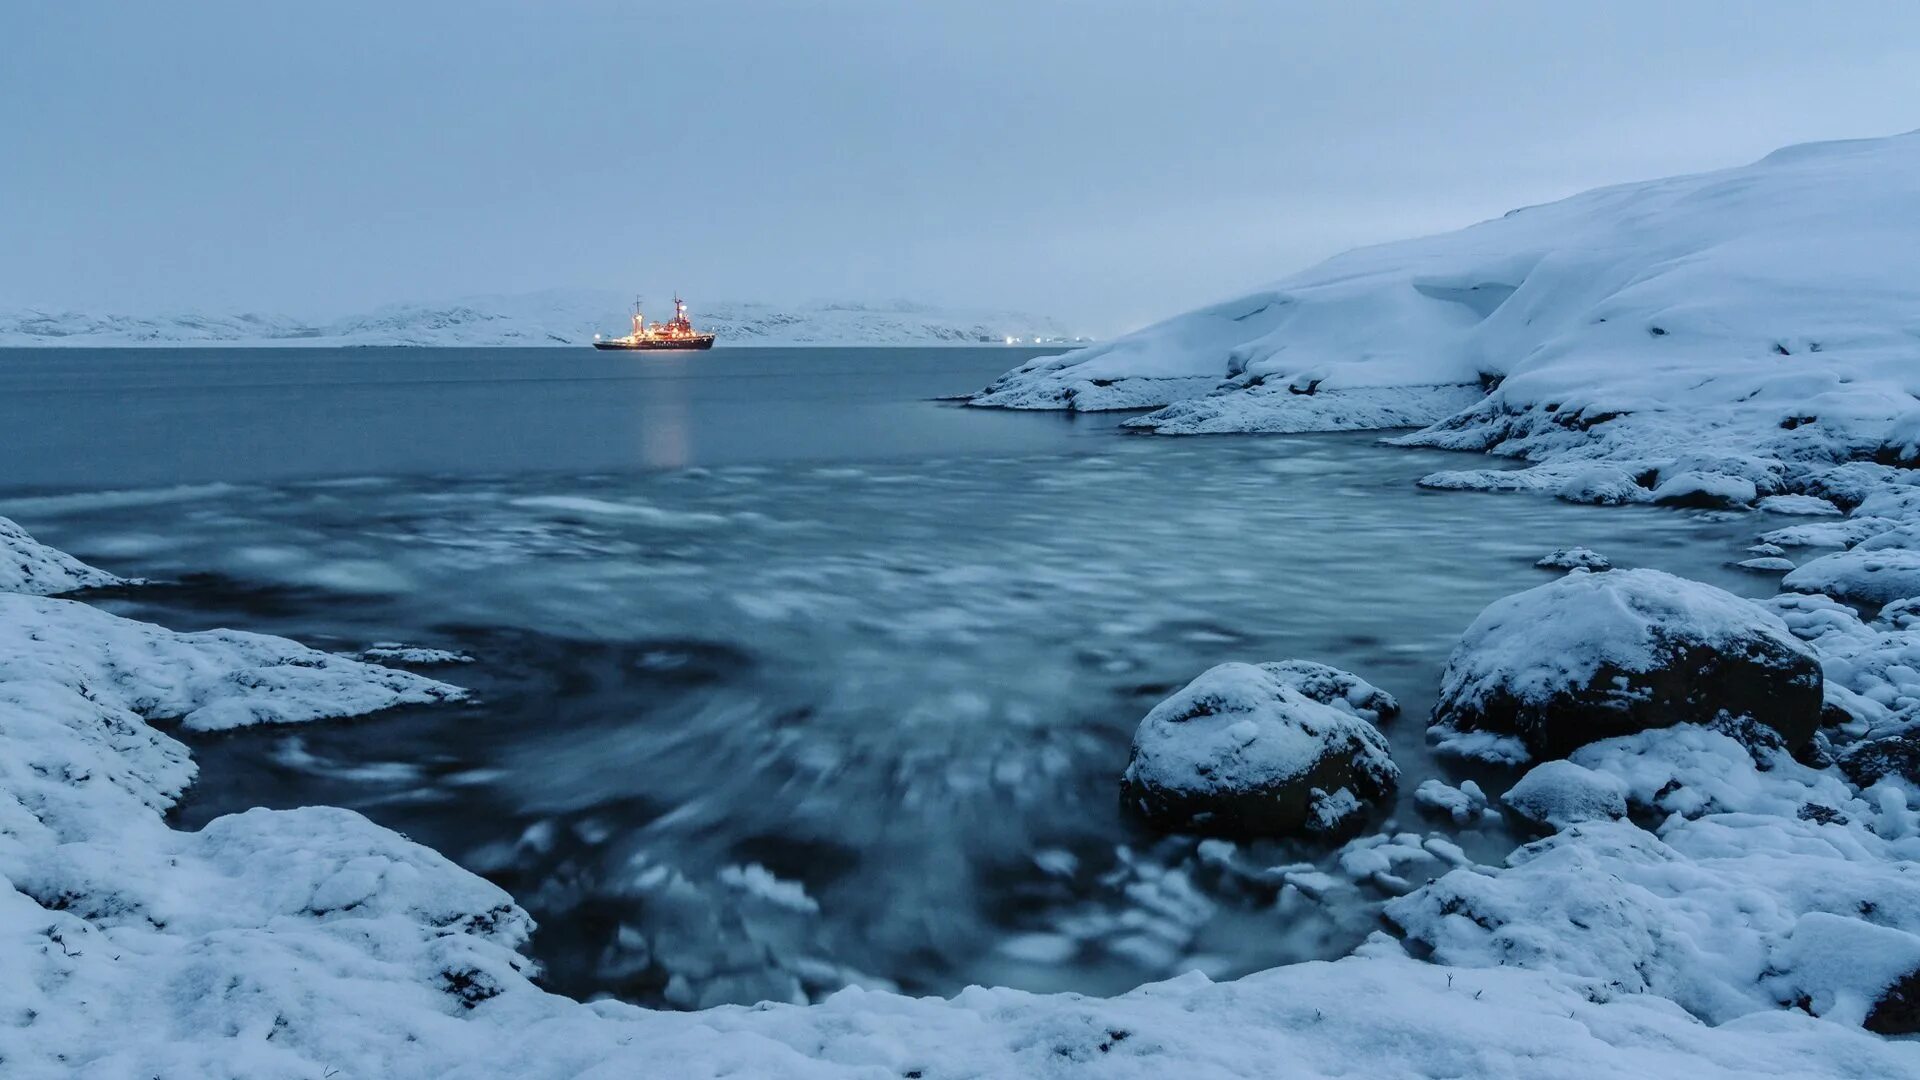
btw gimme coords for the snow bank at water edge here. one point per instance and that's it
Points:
(1766, 311)
(28, 566)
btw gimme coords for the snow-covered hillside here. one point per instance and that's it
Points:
(1779, 300)
(555, 317)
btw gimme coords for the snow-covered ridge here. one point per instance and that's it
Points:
(1773, 307)
(539, 319)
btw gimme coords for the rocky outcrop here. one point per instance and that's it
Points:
(1262, 750)
(1592, 656)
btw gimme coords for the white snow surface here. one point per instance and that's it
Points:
(28, 566)
(1703, 909)
(1560, 793)
(553, 317)
(212, 680)
(1704, 324)
(1863, 574)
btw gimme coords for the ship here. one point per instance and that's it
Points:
(675, 333)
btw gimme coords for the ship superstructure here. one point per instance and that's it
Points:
(675, 333)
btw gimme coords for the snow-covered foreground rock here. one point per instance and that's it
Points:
(556, 317)
(1594, 655)
(1269, 749)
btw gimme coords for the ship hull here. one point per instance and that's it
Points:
(698, 341)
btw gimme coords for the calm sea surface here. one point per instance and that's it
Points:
(787, 676)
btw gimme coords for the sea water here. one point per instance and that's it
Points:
(786, 676)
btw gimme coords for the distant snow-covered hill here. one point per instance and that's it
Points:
(545, 318)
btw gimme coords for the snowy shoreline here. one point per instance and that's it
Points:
(533, 320)
(1703, 901)
(332, 932)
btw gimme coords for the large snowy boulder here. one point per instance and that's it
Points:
(1763, 309)
(1268, 749)
(1592, 656)
(1877, 575)
(28, 566)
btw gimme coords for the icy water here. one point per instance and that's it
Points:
(786, 676)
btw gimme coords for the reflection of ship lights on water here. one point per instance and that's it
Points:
(675, 333)
(666, 427)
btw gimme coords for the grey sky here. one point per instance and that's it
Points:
(1109, 163)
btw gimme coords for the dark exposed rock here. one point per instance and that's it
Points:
(1898, 1010)
(1867, 763)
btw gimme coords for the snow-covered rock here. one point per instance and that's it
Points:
(1574, 558)
(1591, 656)
(1270, 749)
(1709, 490)
(1766, 564)
(1808, 505)
(210, 681)
(1897, 755)
(1464, 804)
(1700, 910)
(1827, 533)
(1556, 794)
(1672, 327)
(554, 317)
(28, 566)
(395, 652)
(1852, 971)
(1864, 575)
(1872, 670)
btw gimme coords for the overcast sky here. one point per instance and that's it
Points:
(1105, 162)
